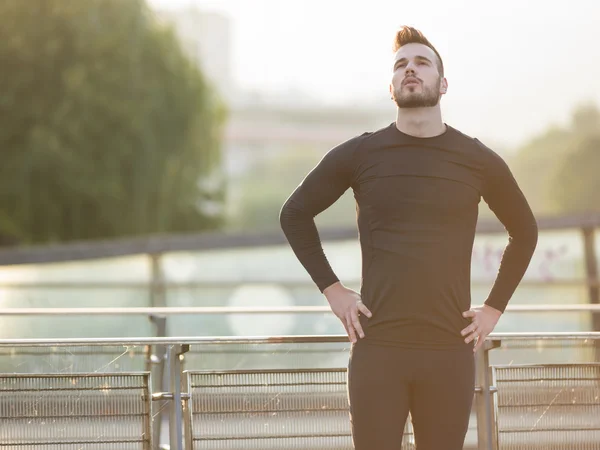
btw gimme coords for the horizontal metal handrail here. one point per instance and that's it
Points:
(163, 311)
(228, 283)
(178, 310)
(205, 241)
(289, 339)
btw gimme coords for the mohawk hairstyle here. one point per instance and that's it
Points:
(409, 35)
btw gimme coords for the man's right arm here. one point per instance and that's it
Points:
(322, 187)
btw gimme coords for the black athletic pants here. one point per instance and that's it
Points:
(385, 383)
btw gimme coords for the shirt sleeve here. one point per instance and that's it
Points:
(325, 184)
(504, 197)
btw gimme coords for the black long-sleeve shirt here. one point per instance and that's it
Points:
(417, 206)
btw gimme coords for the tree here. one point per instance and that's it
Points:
(263, 189)
(535, 163)
(586, 119)
(538, 162)
(576, 184)
(108, 128)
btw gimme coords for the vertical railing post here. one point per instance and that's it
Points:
(158, 298)
(591, 271)
(188, 414)
(486, 436)
(175, 355)
(149, 443)
(155, 363)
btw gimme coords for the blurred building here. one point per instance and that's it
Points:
(206, 36)
(261, 126)
(263, 123)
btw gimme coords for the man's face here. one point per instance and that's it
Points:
(416, 81)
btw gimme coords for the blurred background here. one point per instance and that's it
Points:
(148, 147)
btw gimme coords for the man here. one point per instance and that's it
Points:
(417, 185)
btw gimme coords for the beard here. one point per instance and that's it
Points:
(428, 97)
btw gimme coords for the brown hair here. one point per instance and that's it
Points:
(409, 35)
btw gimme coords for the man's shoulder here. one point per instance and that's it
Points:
(466, 138)
(475, 144)
(351, 145)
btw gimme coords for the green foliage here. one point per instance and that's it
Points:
(535, 163)
(575, 187)
(261, 192)
(107, 126)
(544, 165)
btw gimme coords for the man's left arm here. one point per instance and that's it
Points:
(504, 197)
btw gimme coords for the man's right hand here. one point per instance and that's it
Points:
(346, 304)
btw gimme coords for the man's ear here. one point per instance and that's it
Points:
(444, 86)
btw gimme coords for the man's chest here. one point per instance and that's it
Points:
(431, 182)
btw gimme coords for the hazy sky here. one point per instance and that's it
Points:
(513, 67)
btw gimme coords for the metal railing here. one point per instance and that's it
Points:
(156, 246)
(535, 402)
(184, 310)
(163, 359)
(161, 286)
(153, 355)
(107, 411)
(177, 358)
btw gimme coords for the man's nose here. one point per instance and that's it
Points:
(410, 69)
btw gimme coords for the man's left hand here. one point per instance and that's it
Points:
(483, 321)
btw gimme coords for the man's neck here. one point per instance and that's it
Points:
(420, 122)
